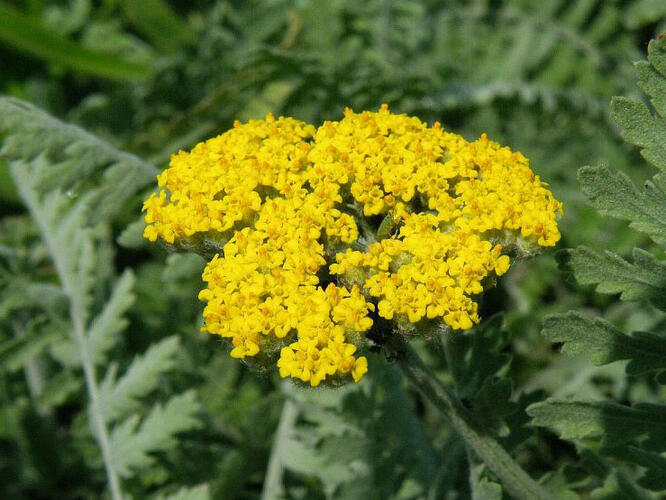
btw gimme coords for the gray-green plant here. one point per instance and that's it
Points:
(623, 441)
(108, 389)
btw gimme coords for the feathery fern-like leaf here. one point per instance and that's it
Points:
(70, 156)
(133, 440)
(629, 433)
(644, 279)
(69, 181)
(110, 323)
(120, 397)
(70, 245)
(613, 193)
(616, 423)
(641, 127)
(604, 343)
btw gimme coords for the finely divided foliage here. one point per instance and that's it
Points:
(55, 176)
(105, 381)
(630, 434)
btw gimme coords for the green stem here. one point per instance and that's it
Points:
(77, 313)
(273, 487)
(514, 479)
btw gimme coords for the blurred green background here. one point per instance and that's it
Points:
(152, 76)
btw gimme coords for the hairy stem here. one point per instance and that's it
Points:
(273, 487)
(514, 479)
(77, 313)
(101, 431)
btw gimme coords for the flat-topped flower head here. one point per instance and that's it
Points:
(320, 231)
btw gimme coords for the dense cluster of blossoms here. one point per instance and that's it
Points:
(320, 229)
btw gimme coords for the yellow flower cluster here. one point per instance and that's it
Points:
(294, 282)
(220, 183)
(427, 273)
(264, 293)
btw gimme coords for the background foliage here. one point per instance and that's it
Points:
(102, 370)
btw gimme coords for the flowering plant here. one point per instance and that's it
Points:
(375, 242)
(318, 233)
